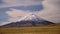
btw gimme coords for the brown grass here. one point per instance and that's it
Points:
(48, 29)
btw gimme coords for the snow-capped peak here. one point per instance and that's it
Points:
(29, 17)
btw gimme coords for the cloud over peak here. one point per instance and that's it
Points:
(16, 14)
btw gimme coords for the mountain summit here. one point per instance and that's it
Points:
(32, 17)
(29, 20)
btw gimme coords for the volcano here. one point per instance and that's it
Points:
(29, 20)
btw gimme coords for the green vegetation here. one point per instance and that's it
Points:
(48, 29)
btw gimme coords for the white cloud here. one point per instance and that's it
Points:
(15, 14)
(10, 3)
(51, 11)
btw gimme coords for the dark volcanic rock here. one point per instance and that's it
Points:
(27, 23)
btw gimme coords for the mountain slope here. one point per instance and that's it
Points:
(29, 20)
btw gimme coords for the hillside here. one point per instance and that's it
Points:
(48, 29)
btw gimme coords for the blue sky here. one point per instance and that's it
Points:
(5, 6)
(46, 9)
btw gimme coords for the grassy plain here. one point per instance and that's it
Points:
(47, 29)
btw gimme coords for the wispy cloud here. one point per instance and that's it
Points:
(10, 3)
(51, 11)
(15, 14)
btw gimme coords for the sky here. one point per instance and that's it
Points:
(13, 10)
